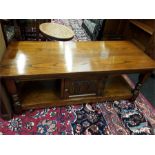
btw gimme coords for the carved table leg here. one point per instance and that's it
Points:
(12, 89)
(141, 79)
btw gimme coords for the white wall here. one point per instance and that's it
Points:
(2, 43)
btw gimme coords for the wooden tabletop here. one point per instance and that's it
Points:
(56, 31)
(34, 58)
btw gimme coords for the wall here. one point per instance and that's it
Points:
(2, 43)
(4, 100)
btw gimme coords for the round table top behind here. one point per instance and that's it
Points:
(56, 31)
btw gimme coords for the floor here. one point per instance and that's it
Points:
(148, 89)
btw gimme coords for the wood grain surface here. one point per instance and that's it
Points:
(39, 94)
(69, 58)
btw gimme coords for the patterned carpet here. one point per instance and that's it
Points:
(108, 118)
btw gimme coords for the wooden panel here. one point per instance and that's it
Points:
(140, 38)
(143, 26)
(117, 86)
(65, 58)
(82, 87)
(40, 91)
(111, 26)
(150, 49)
(2, 43)
(114, 29)
(141, 32)
(44, 94)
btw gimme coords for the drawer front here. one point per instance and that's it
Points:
(82, 87)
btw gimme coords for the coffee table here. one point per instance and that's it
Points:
(43, 74)
(54, 31)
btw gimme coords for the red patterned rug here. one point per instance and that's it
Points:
(110, 118)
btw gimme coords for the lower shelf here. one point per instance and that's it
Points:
(39, 94)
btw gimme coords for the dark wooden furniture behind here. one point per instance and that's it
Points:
(30, 29)
(114, 29)
(41, 74)
(142, 33)
(139, 31)
(23, 29)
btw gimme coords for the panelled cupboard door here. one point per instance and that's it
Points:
(82, 87)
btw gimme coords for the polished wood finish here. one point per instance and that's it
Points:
(41, 74)
(143, 26)
(23, 59)
(56, 31)
(33, 97)
(141, 32)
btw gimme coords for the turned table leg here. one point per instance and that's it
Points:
(141, 79)
(12, 90)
